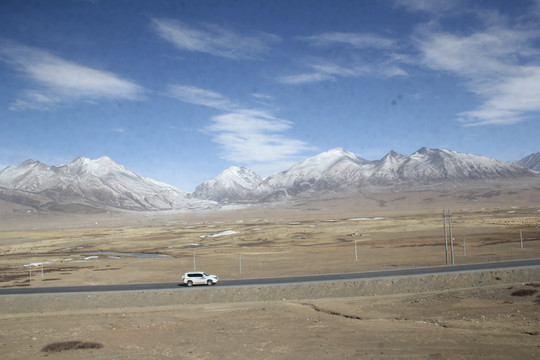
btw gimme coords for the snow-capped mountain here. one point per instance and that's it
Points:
(531, 161)
(237, 183)
(432, 165)
(86, 185)
(89, 183)
(335, 169)
(338, 170)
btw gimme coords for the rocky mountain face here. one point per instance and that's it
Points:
(93, 185)
(531, 161)
(85, 184)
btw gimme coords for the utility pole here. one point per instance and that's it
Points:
(451, 238)
(447, 218)
(445, 237)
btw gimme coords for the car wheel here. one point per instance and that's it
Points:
(190, 283)
(209, 283)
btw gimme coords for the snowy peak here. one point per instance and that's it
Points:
(29, 175)
(332, 168)
(237, 183)
(103, 166)
(326, 160)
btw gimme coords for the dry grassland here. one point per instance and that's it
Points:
(333, 236)
(390, 231)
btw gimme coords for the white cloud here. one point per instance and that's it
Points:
(198, 96)
(61, 81)
(246, 135)
(254, 136)
(249, 121)
(498, 65)
(307, 78)
(213, 39)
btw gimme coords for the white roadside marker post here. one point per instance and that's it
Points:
(355, 250)
(521, 238)
(240, 261)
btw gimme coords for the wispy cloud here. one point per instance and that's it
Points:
(254, 136)
(246, 135)
(306, 78)
(498, 64)
(356, 40)
(198, 96)
(59, 81)
(432, 6)
(352, 56)
(214, 40)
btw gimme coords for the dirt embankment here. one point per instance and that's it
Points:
(11, 304)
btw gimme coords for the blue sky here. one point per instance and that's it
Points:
(180, 90)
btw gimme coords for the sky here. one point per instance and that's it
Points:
(178, 91)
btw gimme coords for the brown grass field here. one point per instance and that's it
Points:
(356, 233)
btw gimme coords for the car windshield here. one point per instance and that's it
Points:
(205, 274)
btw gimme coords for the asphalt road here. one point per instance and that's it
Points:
(278, 280)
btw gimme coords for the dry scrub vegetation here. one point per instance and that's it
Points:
(256, 243)
(391, 231)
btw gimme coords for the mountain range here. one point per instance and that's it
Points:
(85, 185)
(95, 185)
(338, 170)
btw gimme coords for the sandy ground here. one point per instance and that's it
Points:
(481, 323)
(388, 231)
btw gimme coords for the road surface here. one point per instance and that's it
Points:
(278, 280)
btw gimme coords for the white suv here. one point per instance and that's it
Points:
(199, 278)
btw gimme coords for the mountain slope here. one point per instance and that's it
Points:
(237, 183)
(531, 161)
(95, 183)
(433, 165)
(335, 169)
(338, 170)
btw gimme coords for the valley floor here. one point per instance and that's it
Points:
(393, 230)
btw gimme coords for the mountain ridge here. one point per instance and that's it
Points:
(89, 183)
(104, 184)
